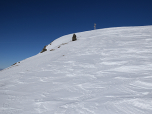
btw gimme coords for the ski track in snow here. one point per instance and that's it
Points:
(106, 71)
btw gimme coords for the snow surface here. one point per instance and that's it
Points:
(106, 71)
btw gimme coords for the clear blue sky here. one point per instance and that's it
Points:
(26, 26)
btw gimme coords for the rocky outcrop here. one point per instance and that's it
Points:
(74, 38)
(44, 49)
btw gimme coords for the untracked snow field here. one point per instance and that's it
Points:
(106, 71)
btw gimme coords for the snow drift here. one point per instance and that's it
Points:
(106, 71)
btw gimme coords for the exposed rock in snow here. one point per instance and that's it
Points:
(74, 38)
(44, 49)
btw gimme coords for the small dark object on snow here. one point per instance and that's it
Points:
(52, 49)
(74, 37)
(44, 49)
(14, 64)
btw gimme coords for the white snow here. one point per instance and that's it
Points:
(106, 71)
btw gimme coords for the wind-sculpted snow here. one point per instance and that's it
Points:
(106, 71)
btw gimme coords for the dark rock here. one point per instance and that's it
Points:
(14, 63)
(74, 37)
(52, 49)
(44, 49)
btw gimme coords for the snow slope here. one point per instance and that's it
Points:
(106, 71)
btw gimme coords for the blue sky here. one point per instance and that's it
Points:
(26, 26)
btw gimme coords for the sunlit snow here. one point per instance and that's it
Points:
(106, 71)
